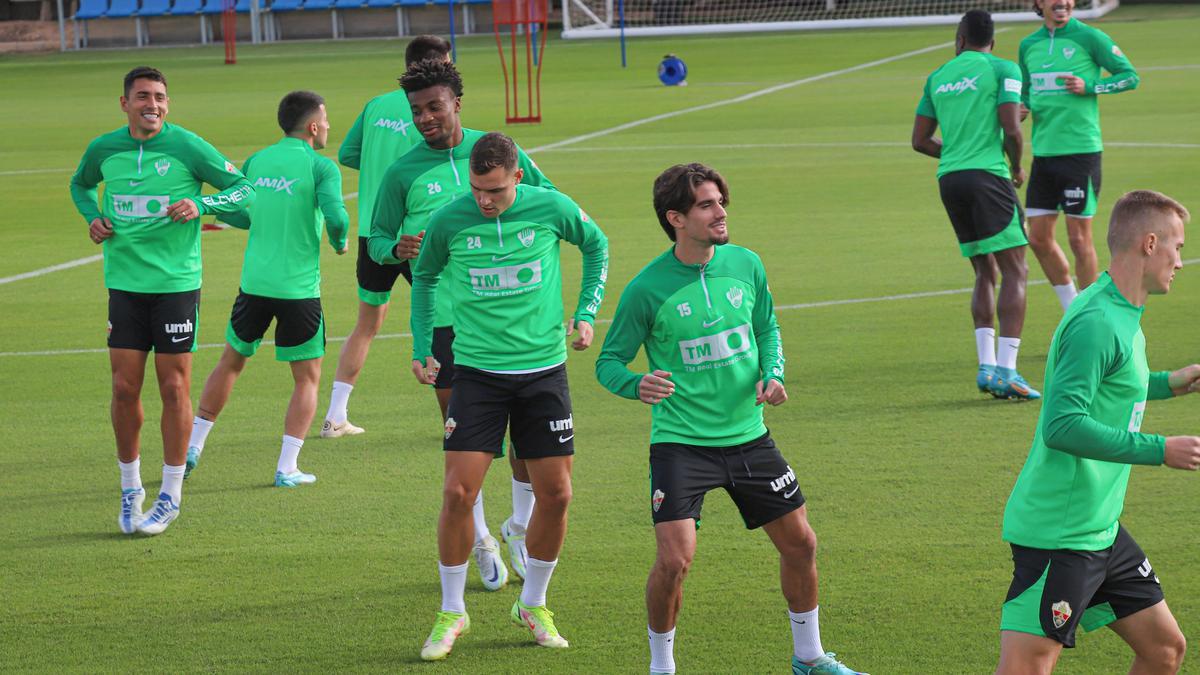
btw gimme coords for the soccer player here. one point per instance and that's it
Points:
(1061, 66)
(281, 275)
(383, 132)
(1074, 563)
(498, 251)
(975, 98)
(150, 227)
(431, 175)
(705, 316)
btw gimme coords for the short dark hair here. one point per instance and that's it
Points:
(297, 107)
(1139, 213)
(425, 47)
(143, 73)
(431, 73)
(675, 190)
(978, 28)
(1037, 10)
(491, 151)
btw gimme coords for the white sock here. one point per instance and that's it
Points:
(806, 635)
(481, 528)
(173, 481)
(200, 429)
(131, 474)
(288, 452)
(522, 496)
(338, 402)
(662, 651)
(537, 578)
(985, 346)
(454, 584)
(1066, 293)
(1008, 352)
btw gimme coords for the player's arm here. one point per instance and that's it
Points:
(630, 327)
(1122, 76)
(1086, 351)
(924, 127)
(1025, 82)
(387, 218)
(532, 172)
(426, 270)
(239, 219)
(234, 191)
(350, 152)
(1008, 114)
(329, 200)
(579, 229)
(770, 387)
(83, 192)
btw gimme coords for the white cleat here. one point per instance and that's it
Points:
(492, 571)
(130, 515)
(517, 554)
(165, 512)
(331, 430)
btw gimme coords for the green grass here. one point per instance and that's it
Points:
(905, 467)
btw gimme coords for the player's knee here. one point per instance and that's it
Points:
(674, 567)
(802, 548)
(126, 391)
(1041, 240)
(1080, 240)
(554, 497)
(1168, 653)
(457, 496)
(174, 392)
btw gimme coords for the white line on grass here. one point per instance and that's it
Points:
(52, 268)
(778, 308)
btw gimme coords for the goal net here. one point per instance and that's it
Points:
(602, 18)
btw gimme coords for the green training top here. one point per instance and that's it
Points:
(963, 96)
(711, 326)
(297, 190)
(1071, 490)
(383, 132)
(1066, 123)
(503, 275)
(148, 252)
(421, 182)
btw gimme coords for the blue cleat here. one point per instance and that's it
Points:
(131, 509)
(165, 511)
(293, 479)
(1008, 383)
(826, 665)
(983, 380)
(193, 458)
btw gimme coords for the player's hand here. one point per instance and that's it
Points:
(1075, 85)
(1018, 176)
(183, 210)
(1183, 452)
(100, 229)
(426, 373)
(409, 246)
(1186, 380)
(585, 334)
(655, 386)
(773, 393)
(1024, 112)
(342, 250)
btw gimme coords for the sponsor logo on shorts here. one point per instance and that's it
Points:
(1060, 613)
(734, 295)
(957, 88)
(110, 328)
(784, 481)
(657, 500)
(1068, 52)
(176, 328)
(281, 184)
(397, 126)
(508, 280)
(1074, 193)
(526, 236)
(141, 206)
(563, 425)
(723, 348)
(451, 425)
(162, 166)
(1145, 570)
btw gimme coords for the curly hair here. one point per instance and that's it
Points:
(431, 73)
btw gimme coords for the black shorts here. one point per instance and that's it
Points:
(538, 405)
(1070, 183)
(984, 210)
(166, 322)
(375, 281)
(299, 326)
(755, 475)
(1053, 591)
(443, 351)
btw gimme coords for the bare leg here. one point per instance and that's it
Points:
(456, 531)
(174, 373)
(128, 373)
(797, 545)
(1013, 273)
(676, 542)
(443, 399)
(1158, 645)
(551, 478)
(983, 298)
(219, 384)
(1049, 254)
(520, 470)
(1027, 654)
(354, 351)
(307, 377)
(1079, 235)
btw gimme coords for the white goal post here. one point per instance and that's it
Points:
(600, 18)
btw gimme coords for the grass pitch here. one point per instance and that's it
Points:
(905, 467)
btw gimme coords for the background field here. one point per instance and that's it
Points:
(905, 466)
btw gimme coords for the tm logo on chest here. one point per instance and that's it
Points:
(486, 280)
(723, 345)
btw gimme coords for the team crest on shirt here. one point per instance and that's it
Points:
(657, 500)
(451, 425)
(1117, 50)
(526, 236)
(162, 166)
(230, 167)
(583, 215)
(1068, 52)
(734, 295)
(1061, 613)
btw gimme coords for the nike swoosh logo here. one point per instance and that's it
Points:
(181, 339)
(710, 324)
(1071, 203)
(799, 623)
(495, 573)
(789, 494)
(134, 183)
(498, 258)
(564, 439)
(1048, 65)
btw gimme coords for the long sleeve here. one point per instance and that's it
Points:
(329, 201)
(387, 218)
(628, 333)
(1109, 56)
(766, 330)
(1025, 79)
(350, 152)
(581, 231)
(235, 192)
(427, 270)
(1160, 386)
(1085, 355)
(83, 185)
(239, 219)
